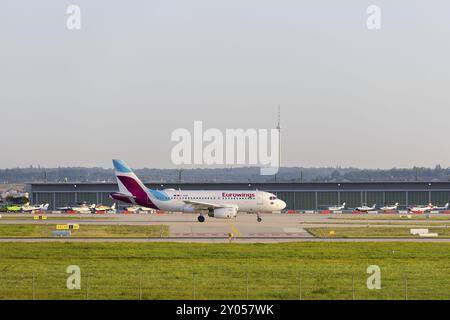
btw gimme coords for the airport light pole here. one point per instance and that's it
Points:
(279, 141)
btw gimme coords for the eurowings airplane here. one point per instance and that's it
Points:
(218, 204)
(337, 208)
(390, 208)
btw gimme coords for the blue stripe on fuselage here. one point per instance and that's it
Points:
(159, 195)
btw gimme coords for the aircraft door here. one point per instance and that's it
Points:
(259, 199)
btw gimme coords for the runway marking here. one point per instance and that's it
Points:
(234, 229)
(292, 230)
(219, 234)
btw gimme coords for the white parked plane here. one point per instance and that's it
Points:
(390, 208)
(102, 207)
(337, 208)
(218, 204)
(139, 209)
(441, 208)
(83, 208)
(28, 208)
(366, 208)
(422, 209)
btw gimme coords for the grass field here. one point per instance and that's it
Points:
(375, 232)
(45, 230)
(224, 271)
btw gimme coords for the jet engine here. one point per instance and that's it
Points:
(223, 213)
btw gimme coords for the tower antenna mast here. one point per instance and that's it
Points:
(279, 139)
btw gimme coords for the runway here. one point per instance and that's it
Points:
(245, 228)
(226, 240)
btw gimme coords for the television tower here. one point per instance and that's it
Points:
(279, 139)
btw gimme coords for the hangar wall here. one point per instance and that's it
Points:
(298, 196)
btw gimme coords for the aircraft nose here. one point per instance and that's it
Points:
(282, 204)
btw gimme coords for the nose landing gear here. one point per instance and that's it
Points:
(258, 217)
(201, 218)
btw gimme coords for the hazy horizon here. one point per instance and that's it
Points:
(229, 167)
(117, 88)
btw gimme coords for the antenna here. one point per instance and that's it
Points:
(279, 135)
(279, 140)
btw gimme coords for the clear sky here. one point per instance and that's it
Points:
(137, 70)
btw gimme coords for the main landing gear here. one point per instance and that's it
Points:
(258, 217)
(201, 218)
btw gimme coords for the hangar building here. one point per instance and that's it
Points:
(298, 196)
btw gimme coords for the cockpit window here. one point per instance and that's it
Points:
(273, 198)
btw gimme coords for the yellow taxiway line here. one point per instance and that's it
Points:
(234, 228)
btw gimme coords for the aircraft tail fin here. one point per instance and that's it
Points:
(131, 185)
(128, 182)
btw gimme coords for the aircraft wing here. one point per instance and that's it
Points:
(205, 205)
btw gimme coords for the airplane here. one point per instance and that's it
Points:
(337, 208)
(81, 208)
(111, 209)
(32, 209)
(222, 204)
(424, 209)
(365, 208)
(390, 208)
(441, 208)
(13, 208)
(139, 209)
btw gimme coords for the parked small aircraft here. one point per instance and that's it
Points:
(337, 208)
(366, 208)
(422, 209)
(111, 209)
(139, 209)
(80, 208)
(29, 208)
(441, 208)
(390, 208)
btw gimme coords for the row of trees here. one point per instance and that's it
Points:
(328, 174)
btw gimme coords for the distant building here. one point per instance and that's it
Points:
(298, 196)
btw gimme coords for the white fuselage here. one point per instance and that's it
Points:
(421, 209)
(390, 208)
(337, 208)
(243, 201)
(441, 208)
(365, 208)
